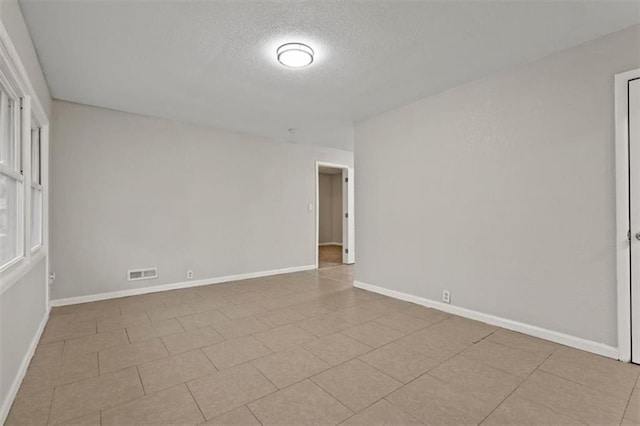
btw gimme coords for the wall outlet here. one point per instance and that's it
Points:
(189, 274)
(446, 296)
(52, 277)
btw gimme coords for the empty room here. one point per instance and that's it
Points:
(303, 212)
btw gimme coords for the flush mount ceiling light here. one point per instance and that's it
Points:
(295, 55)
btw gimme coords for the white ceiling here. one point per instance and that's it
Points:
(214, 62)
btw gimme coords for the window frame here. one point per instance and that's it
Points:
(36, 186)
(16, 173)
(16, 81)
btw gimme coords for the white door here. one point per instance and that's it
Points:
(348, 228)
(634, 214)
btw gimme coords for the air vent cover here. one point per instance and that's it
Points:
(142, 274)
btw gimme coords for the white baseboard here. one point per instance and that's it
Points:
(532, 330)
(329, 244)
(175, 286)
(17, 381)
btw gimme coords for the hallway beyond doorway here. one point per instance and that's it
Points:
(329, 255)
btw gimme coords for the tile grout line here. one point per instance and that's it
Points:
(422, 375)
(575, 383)
(53, 394)
(336, 398)
(505, 345)
(127, 333)
(274, 385)
(301, 345)
(572, 381)
(140, 398)
(201, 350)
(562, 378)
(331, 366)
(195, 401)
(626, 407)
(293, 384)
(508, 347)
(265, 376)
(344, 362)
(516, 388)
(165, 348)
(144, 390)
(133, 399)
(252, 413)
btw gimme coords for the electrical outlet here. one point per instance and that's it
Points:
(189, 274)
(52, 277)
(446, 296)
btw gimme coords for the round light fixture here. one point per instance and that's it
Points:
(295, 55)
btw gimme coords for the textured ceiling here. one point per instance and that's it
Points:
(214, 62)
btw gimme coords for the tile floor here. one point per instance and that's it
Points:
(307, 348)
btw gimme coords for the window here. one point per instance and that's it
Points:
(36, 190)
(24, 135)
(11, 181)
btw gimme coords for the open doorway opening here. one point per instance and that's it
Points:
(334, 215)
(330, 217)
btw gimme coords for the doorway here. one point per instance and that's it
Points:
(334, 215)
(627, 115)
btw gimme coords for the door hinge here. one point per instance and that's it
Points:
(346, 180)
(346, 215)
(629, 235)
(346, 251)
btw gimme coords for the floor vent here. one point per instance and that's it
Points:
(143, 274)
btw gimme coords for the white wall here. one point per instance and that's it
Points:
(502, 191)
(23, 305)
(130, 191)
(22, 310)
(330, 199)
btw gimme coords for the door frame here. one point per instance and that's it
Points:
(623, 248)
(343, 167)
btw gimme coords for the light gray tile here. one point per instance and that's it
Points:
(235, 351)
(167, 372)
(174, 406)
(88, 396)
(289, 366)
(188, 340)
(302, 403)
(356, 384)
(120, 357)
(229, 389)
